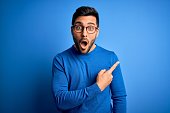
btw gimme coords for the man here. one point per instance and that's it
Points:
(84, 80)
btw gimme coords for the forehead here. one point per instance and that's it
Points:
(85, 20)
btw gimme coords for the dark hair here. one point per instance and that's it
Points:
(85, 11)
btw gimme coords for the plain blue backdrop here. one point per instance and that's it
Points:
(33, 32)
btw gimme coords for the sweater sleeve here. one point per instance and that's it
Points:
(118, 90)
(66, 99)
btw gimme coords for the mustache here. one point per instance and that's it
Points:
(83, 39)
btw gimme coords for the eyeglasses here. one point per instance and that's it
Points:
(80, 28)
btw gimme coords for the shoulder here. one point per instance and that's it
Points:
(108, 54)
(65, 53)
(60, 56)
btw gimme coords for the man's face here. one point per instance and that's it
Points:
(84, 33)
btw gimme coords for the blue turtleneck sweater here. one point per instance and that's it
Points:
(74, 82)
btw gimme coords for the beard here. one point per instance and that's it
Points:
(87, 45)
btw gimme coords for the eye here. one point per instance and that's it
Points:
(91, 28)
(78, 28)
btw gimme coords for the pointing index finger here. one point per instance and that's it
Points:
(113, 67)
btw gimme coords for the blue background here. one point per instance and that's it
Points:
(33, 32)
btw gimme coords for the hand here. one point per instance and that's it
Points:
(104, 77)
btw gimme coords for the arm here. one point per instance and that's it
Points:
(66, 99)
(118, 91)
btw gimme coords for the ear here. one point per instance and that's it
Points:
(97, 32)
(71, 29)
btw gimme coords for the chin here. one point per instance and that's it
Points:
(84, 52)
(87, 50)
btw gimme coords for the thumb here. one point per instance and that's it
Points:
(102, 71)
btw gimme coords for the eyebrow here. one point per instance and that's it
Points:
(87, 23)
(78, 23)
(91, 23)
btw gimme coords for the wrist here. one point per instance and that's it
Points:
(100, 87)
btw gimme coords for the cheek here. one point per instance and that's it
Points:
(76, 36)
(92, 38)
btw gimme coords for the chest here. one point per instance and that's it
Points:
(82, 73)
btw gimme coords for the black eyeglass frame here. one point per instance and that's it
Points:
(73, 26)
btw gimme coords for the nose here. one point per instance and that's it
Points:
(84, 32)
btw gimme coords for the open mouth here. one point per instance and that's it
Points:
(83, 44)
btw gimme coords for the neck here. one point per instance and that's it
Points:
(92, 48)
